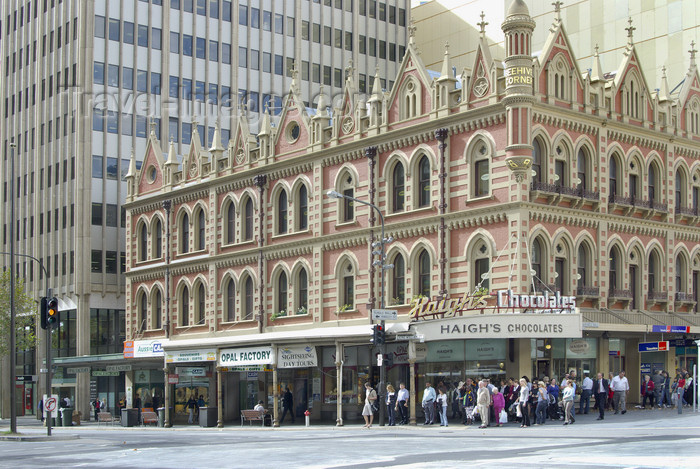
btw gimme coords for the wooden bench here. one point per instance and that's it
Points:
(252, 416)
(106, 417)
(149, 417)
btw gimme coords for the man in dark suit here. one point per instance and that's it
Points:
(601, 388)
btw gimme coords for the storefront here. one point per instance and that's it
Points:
(191, 374)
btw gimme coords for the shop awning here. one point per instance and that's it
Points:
(314, 335)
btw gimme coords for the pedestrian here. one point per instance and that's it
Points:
(568, 398)
(368, 409)
(658, 379)
(483, 401)
(522, 403)
(191, 405)
(40, 408)
(96, 408)
(468, 402)
(428, 404)
(499, 405)
(121, 404)
(456, 399)
(542, 403)
(553, 397)
(442, 406)
(287, 404)
(402, 403)
(586, 391)
(391, 404)
(602, 387)
(647, 392)
(621, 388)
(666, 392)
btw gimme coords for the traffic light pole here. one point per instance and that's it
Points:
(47, 335)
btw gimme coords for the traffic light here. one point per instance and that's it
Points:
(43, 308)
(378, 334)
(52, 313)
(389, 360)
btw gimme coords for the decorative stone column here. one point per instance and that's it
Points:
(276, 398)
(412, 381)
(219, 398)
(166, 422)
(339, 355)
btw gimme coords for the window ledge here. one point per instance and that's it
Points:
(347, 223)
(429, 208)
(480, 198)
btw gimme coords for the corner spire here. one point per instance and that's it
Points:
(132, 165)
(596, 70)
(445, 72)
(630, 32)
(663, 91)
(692, 51)
(216, 140)
(412, 33)
(482, 25)
(557, 11)
(172, 156)
(265, 126)
(376, 86)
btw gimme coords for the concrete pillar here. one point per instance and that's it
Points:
(339, 355)
(219, 398)
(671, 363)
(412, 381)
(276, 398)
(522, 363)
(603, 356)
(633, 371)
(129, 385)
(168, 399)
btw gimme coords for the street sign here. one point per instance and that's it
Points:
(51, 404)
(654, 346)
(81, 369)
(173, 379)
(25, 378)
(384, 314)
(671, 329)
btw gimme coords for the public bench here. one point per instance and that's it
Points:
(149, 417)
(106, 417)
(252, 416)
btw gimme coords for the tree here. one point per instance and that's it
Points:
(25, 316)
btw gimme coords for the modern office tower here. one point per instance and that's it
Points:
(662, 28)
(81, 82)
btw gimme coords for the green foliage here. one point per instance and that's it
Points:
(344, 308)
(279, 314)
(25, 316)
(416, 299)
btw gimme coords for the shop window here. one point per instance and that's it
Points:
(248, 299)
(107, 331)
(248, 220)
(230, 300)
(423, 195)
(424, 273)
(157, 309)
(302, 293)
(397, 188)
(398, 280)
(302, 207)
(185, 233)
(201, 304)
(185, 307)
(282, 207)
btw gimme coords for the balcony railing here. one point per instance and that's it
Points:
(690, 211)
(684, 297)
(622, 294)
(587, 291)
(657, 296)
(619, 200)
(659, 206)
(564, 190)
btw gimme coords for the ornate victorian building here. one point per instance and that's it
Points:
(520, 186)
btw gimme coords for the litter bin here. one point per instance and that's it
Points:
(161, 416)
(130, 417)
(208, 416)
(67, 416)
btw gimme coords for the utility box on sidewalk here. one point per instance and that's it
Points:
(130, 417)
(208, 416)
(67, 416)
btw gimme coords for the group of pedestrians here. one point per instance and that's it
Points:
(524, 401)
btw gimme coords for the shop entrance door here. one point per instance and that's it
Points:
(301, 400)
(20, 399)
(543, 368)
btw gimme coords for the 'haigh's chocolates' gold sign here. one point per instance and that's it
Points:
(518, 76)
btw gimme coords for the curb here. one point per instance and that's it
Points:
(38, 438)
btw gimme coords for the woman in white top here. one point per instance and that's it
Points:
(370, 398)
(442, 406)
(522, 403)
(568, 399)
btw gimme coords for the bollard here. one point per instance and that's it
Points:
(307, 416)
(679, 400)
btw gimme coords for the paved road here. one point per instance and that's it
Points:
(650, 439)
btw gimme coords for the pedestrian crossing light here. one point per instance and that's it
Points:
(378, 335)
(52, 313)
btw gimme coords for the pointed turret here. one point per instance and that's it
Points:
(517, 28)
(375, 101)
(320, 121)
(170, 165)
(265, 134)
(216, 145)
(131, 177)
(445, 85)
(596, 68)
(664, 95)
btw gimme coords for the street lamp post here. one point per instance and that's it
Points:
(13, 409)
(381, 263)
